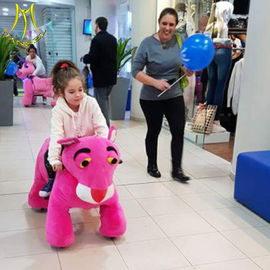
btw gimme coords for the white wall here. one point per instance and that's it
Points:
(108, 9)
(253, 124)
(143, 25)
(82, 11)
(161, 4)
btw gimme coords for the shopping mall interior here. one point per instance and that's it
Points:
(217, 220)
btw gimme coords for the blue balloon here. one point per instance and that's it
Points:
(197, 52)
(11, 68)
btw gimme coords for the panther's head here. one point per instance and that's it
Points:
(26, 69)
(92, 161)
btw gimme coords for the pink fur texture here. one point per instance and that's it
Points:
(85, 182)
(34, 86)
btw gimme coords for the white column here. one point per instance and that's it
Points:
(253, 125)
(161, 4)
(143, 25)
(82, 11)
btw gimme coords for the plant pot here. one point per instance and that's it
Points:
(6, 103)
(118, 98)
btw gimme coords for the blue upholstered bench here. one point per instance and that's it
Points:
(252, 182)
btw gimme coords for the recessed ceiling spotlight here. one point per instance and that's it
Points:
(5, 9)
(5, 13)
(25, 5)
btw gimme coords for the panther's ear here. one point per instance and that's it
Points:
(68, 141)
(26, 63)
(112, 134)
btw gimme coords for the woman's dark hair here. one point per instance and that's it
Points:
(102, 23)
(31, 46)
(62, 72)
(170, 11)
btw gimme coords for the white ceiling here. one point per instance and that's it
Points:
(11, 4)
(12, 7)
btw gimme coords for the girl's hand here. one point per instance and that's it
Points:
(162, 85)
(188, 72)
(57, 167)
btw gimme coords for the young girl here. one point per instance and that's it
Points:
(75, 115)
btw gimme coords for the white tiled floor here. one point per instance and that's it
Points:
(171, 226)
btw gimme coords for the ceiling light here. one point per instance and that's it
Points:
(5, 9)
(5, 13)
(25, 5)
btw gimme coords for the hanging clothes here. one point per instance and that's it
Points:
(235, 86)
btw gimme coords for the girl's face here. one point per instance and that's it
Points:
(73, 93)
(167, 26)
(32, 53)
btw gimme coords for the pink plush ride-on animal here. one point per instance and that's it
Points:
(85, 182)
(34, 86)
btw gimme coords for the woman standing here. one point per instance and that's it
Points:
(160, 53)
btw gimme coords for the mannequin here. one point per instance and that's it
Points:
(219, 69)
(221, 12)
(186, 26)
(191, 9)
(181, 11)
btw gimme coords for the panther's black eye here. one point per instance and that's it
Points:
(112, 160)
(85, 163)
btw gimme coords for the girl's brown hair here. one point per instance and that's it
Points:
(62, 72)
(31, 46)
(170, 11)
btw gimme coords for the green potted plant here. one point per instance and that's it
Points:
(118, 97)
(7, 49)
(123, 54)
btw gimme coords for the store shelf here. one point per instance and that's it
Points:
(198, 138)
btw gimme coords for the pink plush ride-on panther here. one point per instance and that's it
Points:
(34, 86)
(85, 182)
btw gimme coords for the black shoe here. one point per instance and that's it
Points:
(46, 190)
(178, 175)
(153, 171)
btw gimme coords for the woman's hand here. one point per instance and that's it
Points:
(57, 167)
(162, 85)
(188, 72)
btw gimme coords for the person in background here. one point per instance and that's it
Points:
(102, 60)
(11, 72)
(32, 57)
(236, 45)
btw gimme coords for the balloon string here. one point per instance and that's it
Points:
(159, 95)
